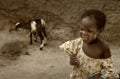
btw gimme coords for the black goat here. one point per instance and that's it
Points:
(36, 28)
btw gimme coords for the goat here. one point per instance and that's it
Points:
(37, 28)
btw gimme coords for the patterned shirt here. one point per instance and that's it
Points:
(89, 67)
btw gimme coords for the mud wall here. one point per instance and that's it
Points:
(62, 16)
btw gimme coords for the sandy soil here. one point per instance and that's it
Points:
(50, 63)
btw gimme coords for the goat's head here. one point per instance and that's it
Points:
(17, 25)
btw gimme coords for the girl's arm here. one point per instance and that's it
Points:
(108, 71)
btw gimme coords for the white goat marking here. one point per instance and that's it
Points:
(42, 22)
(33, 26)
(44, 42)
(17, 23)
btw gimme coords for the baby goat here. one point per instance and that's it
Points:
(36, 28)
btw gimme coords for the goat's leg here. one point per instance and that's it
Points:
(45, 40)
(44, 32)
(35, 39)
(45, 36)
(41, 38)
(42, 45)
(31, 38)
(35, 35)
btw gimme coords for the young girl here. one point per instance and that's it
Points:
(89, 56)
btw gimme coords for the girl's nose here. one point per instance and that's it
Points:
(84, 33)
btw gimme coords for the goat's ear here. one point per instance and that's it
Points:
(43, 22)
(17, 23)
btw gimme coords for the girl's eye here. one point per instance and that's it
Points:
(89, 31)
(81, 29)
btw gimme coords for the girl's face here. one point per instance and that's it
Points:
(88, 30)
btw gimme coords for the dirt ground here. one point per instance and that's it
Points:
(50, 63)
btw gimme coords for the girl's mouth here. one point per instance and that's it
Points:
(84, 37)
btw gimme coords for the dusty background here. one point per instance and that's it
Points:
(63, 21)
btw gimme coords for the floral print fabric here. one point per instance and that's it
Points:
(89, 67)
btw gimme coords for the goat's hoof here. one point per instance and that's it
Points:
(41, 48)
(35, 40)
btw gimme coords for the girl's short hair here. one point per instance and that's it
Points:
(98, 15)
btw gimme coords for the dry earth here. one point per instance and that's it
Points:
(51, 63)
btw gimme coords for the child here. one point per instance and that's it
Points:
(89, 56)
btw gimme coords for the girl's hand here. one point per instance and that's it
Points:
(74, 60)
